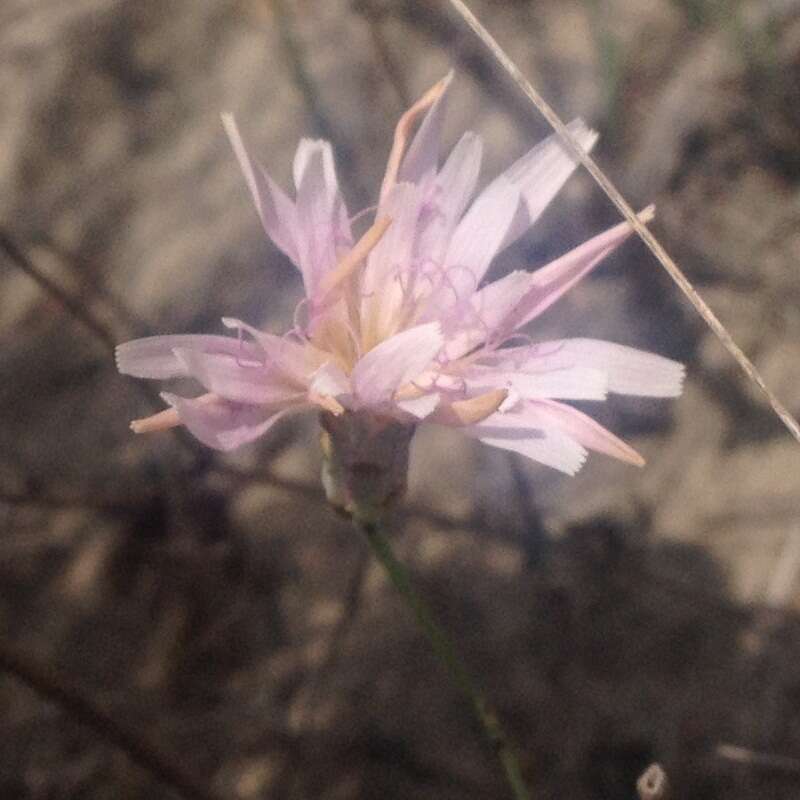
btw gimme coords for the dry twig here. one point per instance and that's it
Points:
(73, 305)
(45, 682)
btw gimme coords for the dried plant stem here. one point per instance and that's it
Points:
(45, 682)
(297, 62)
(73, 304)
(352, 601)
(82, 314)
(446, 652)
(625, 209)
(388, 63)
(129, 504)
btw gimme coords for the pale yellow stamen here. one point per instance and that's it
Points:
(648, 214)
(164, 420)
(627, 454)
(409, 392)
(327, 402)
(413, 390)
(402, 133)
(168, 418)
(348, 265)
(471, 411)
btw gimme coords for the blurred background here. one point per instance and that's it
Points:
(215, 605)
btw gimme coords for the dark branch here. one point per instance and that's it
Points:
(77, 703)
(72, 304)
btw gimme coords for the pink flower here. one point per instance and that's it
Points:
(396, 325)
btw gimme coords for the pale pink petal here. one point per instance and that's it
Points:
(314, 171)
(512, 203)
(549, 283)
(276, 210)
(221, 424)
(479, 322)
(323, 172)
(479, 236)
(395, 362)
(529, 435)
(237, 380)
(288, 356)
(388, 277)
(548, 416)
(395, 250)
(322, 218)
(540, 174)
(420, 407)
(585, 430)
(402, 133)
(154, 356)
(246, 433)
(551, 448)
(422, 158)
(458, 177)
(565, 382)
(330, 381)
(451, 194)
(509, 303)
(628, 371)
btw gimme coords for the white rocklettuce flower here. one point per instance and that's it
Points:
(398, 328)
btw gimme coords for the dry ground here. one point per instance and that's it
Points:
(615, 618)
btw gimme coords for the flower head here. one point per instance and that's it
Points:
(396, 326)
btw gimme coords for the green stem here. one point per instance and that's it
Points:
(447, 654)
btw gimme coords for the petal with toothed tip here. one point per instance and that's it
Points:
(540, 174)
(321, 212)
(567, 382)
(627, 370)
(526, 433)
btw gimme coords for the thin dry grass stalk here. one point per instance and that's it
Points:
(625, 209)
